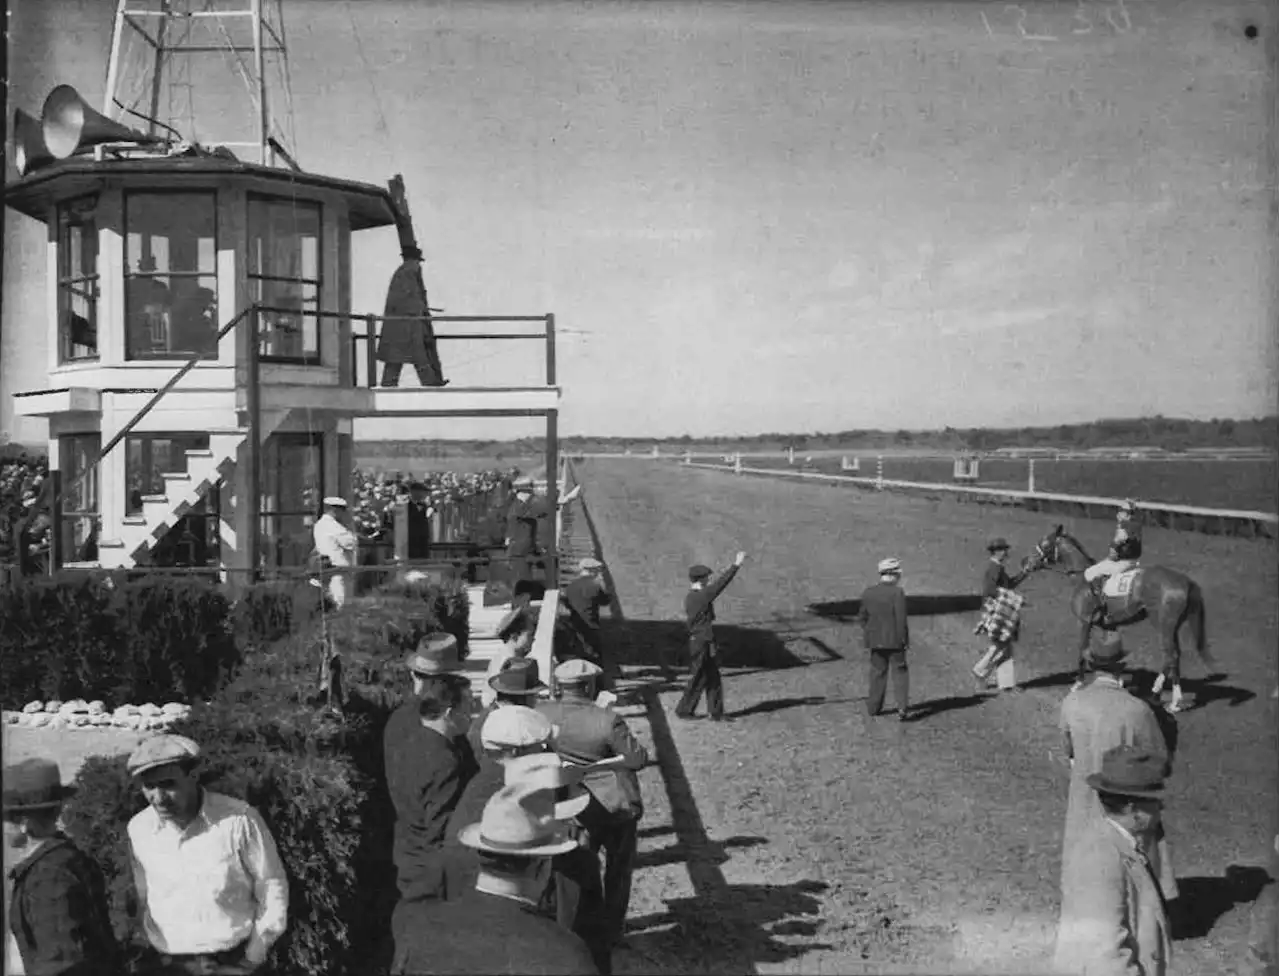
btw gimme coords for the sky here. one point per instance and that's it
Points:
(784, 216)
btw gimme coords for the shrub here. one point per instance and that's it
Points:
(271, 610)
(79, 635)
(315, 776)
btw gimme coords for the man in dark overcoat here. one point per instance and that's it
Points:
(883, 615)
(407, 335)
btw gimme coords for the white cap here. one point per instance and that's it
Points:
(889, 566)
(336, 501)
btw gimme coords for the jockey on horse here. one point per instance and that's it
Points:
(1125, 551)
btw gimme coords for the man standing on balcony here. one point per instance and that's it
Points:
(407, 335)
(335, 544)
(525, 520)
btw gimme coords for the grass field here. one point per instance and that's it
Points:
(462, 463)
(1248, 484)
(814, 839)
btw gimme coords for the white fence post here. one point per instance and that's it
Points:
(688, 457)
(879, 472)
(1031, 475)
(655, 450)
(737, 463)
(791, 455)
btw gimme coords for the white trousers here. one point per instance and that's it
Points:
(998, 658)
(338, 589)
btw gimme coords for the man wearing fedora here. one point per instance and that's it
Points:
(882, 612)
(584, 733)
(527, 527)
(407, 335)
(335, 545)
(496, 928)
(212, 892)
(58, 917)
(700, 611)
(517, 683)
(1113, 917)
(1001, 611)
(428, 765)
(1100, 714)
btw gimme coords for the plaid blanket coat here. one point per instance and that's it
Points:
(1000, 616)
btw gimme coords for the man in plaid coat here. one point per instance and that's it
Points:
(1000, 617)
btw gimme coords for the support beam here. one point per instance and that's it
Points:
(553, 496)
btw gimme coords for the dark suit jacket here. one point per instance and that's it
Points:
(883, 615)
(484, 934)
(426, 774)
(583, 732)
(996, 577)
(523, 520)
(58, 913)
(699, 606)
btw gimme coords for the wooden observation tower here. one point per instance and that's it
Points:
(205, 364)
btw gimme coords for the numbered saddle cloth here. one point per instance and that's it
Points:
(1000, 616)
(1120, 584)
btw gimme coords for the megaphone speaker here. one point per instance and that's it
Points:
(71, 126)
(29, 150)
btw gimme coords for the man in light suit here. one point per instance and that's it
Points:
(1114, 921)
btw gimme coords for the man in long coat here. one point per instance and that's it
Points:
(1114, 921)
(407, 335)
(1098, 715)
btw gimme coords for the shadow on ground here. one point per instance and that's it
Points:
(658, 648)
(1202, 901)
(729, 931)
(918, 605)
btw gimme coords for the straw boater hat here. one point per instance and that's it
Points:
(889, 567)
(515, 727)
(33, 784)
(334, 501)
(519, 821)
(546, 771)
(1130, 771)
(436, 654)
(161, 750)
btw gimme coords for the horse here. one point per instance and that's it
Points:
(1164, 596)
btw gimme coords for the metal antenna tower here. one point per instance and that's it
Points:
(156, 44)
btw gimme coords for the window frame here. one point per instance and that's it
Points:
(127, 195)
(145, 440)
(306, 359)
(67, 282)
(93, 514)
(270, 519)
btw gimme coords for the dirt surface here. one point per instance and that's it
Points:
(805, 837)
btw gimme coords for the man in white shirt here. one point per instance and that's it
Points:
(212, 893)
(335, 542)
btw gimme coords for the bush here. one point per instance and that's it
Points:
(315, 776)
(272, 610)
(78, 635)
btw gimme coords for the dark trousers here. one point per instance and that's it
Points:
(881, 660)
(579, 902)
(704, 675)
(427, 375)
(616, 838)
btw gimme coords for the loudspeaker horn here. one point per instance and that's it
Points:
(71, 126)
(29, 150)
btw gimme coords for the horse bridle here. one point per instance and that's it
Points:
(1044, 562)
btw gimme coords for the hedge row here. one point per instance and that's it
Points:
(314, 772)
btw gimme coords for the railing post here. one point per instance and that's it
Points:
(551, 353)
(371, 350)
(400, 517)
(1031, 475)
(253, 496)
(553, 481)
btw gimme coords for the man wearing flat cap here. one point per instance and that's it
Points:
(58, 919)
(1001, 611)
(407, 335)
(212, 892)
(335, 544)
(428, 765)
(585, 733)
(882, 612)
(496, 928)
(700, 611)
(584, 597)
(1113, 917)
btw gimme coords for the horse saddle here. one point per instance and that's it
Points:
(1121, 594)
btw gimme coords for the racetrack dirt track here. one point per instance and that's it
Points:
(818, 840)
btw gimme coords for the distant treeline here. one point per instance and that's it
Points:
(1165, 433)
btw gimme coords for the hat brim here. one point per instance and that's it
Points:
(570, 808)
(1096, 782)
(470, 836)
(136, 771)
(67, 792)
(1001, 548)
(495, 684)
